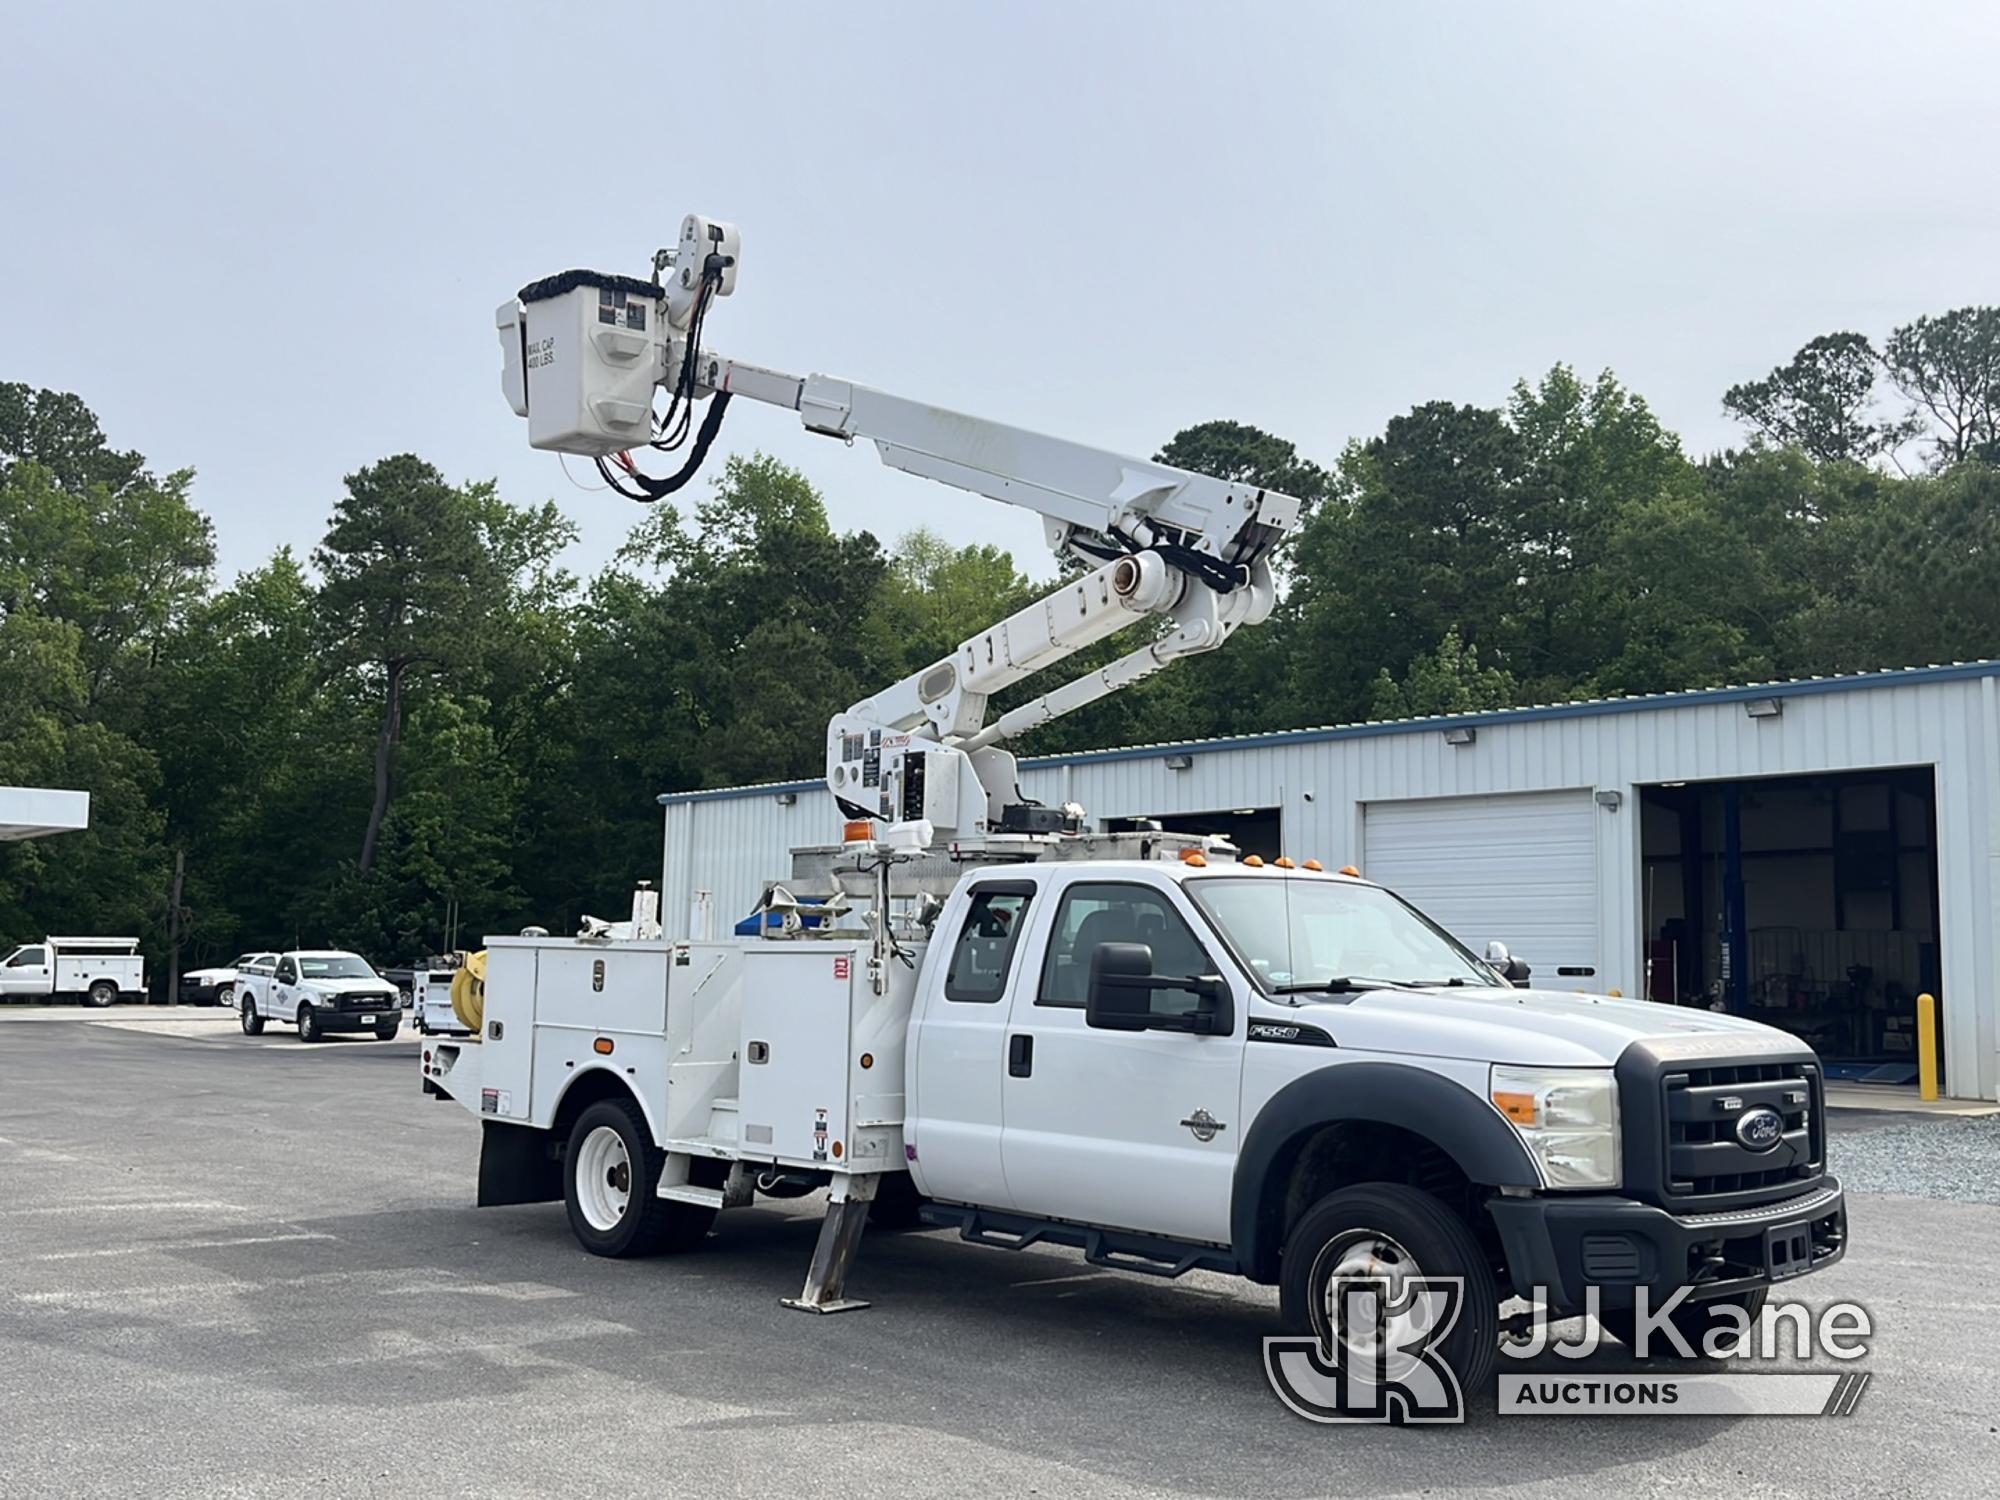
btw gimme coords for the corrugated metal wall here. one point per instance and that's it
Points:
(730, 844)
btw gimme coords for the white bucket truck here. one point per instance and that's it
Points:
(1137, 1044)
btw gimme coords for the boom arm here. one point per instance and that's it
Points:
(584, 353)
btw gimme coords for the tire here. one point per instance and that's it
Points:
(385, 1031)
(1400, 1227)
(225, 995)
(308, 1024)
(620, 1216)
(896, 1203)
(102, 993)
(1694, 1321)
(253, 1024)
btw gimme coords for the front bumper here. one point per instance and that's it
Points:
(199, 994)
(1563, 1245)
(358, 1020)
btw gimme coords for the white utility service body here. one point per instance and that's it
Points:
(430, 1003)
(97, 970)
(973, 1013)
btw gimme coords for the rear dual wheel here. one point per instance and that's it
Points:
(611, 1174)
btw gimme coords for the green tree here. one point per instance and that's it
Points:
(1822, 402)
(1448, 680)
(1949, 368)
(410, 582)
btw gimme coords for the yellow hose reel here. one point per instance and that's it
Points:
(468, 992)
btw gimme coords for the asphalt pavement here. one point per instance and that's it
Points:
(246, 1266)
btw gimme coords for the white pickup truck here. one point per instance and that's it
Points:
(318, 990)
(96, 970)
(1174, 1062)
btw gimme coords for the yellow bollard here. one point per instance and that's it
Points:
(1927, 1072)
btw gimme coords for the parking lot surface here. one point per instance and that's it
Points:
(246, 1266)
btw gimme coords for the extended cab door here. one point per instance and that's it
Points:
(958, 1058)
(26, 972)
(281, 1001)
(1121, 1129)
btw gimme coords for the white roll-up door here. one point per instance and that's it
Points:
(1518, 866)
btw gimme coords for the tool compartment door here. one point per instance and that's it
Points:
(792, 1073)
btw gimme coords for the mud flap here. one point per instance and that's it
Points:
(517, 1164)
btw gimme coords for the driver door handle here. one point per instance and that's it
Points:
(1020, 1055)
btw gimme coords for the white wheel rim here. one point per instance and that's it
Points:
(603, 1178)
(1369, 1253)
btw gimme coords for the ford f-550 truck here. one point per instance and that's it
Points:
(973, 1012)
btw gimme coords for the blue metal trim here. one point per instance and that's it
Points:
(1501, 717)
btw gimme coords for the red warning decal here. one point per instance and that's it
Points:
(840, 968)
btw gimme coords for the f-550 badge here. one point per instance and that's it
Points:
(1204, 1125)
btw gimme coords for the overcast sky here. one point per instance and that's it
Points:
(266, 240)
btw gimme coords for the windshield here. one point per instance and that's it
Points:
(1295, 935)
(345, 966)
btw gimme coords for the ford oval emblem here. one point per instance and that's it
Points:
(1760, 1129)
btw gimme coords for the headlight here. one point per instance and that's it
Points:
(1568, 1120)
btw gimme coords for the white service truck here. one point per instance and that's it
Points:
(970, 1012)
(95, 970)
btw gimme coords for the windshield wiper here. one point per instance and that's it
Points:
(1343, 984)
(1434, 984)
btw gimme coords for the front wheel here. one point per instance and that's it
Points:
(1694, 1321)
(102, 993)
(309, 1025)
(253, 1024)
(225, 996)
(610, 1172)
(1387, 1230)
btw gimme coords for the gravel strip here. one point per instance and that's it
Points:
(1957, 1160)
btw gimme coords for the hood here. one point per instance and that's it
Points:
(1533, 1028)
(348, 986)
(206, 976)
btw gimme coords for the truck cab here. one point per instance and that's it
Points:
(1290, 1073)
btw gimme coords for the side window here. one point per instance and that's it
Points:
(984, 951)
(29, 958)
(288, 972)
(1094, 914)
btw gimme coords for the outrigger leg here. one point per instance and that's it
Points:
(848, 1198)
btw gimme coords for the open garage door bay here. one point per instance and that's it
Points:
(1520, 867)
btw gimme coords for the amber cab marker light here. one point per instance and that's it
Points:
(1194, 858)
(1254, 861)
(1283, 862)
(602, 1046)
(1350, 870)
(1520, 1108)
(1312, 864)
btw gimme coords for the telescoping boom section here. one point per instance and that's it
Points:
(1183, 556)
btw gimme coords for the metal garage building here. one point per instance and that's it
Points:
(1813, 853)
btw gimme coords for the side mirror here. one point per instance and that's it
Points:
(1120, 997)
(1512, 969)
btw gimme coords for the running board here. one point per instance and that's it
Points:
(1113, 1249)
